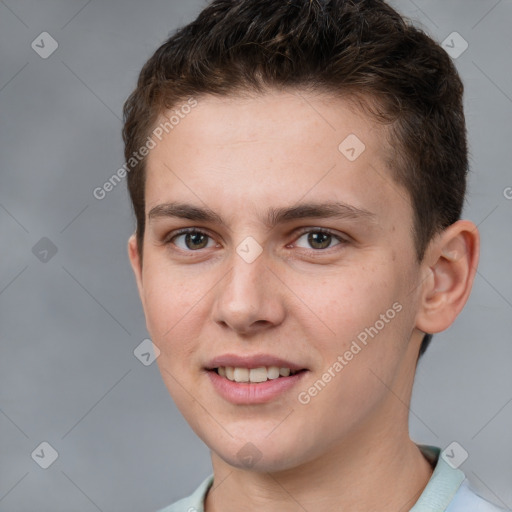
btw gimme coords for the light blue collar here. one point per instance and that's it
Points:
(442, 486)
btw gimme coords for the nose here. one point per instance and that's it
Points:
(250, 298)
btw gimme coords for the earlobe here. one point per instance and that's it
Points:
(451, 263)
(134, 257)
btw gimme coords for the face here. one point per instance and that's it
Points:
(275, 239)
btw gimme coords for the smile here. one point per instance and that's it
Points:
(254, 375)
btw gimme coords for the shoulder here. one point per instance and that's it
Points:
(466, 500)
(183, 505)
(194, 502)
(448, 489)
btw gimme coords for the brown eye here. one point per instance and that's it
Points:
(196, 240)
(191, 240)
(319, 239)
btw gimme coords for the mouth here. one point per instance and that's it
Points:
(254, 375)
(241, 385)
(250, 379)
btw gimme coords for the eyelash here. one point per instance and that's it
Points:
(342, 241)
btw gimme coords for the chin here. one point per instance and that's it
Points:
(262, 454)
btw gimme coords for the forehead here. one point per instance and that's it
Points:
(274, 148)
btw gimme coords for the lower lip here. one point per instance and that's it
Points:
(245, 393)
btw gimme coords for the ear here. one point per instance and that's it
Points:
(449, 268)
(136, 263)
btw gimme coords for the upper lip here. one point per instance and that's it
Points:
(251, 361)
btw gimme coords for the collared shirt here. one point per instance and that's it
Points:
(448, 490)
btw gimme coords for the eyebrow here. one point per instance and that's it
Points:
(274, 216)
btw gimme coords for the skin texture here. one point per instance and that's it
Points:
(349, 447)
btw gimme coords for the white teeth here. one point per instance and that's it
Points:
(258, 374)
(273, 372)
(284, 372)
(241, 375)
(261, 374)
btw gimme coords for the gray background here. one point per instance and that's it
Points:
(69, 325)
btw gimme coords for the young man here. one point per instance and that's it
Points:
(298, 171)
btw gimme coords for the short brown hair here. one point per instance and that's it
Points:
(360, 49)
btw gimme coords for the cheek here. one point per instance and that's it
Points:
(346, 301)
(172, 304)
(369, 322)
